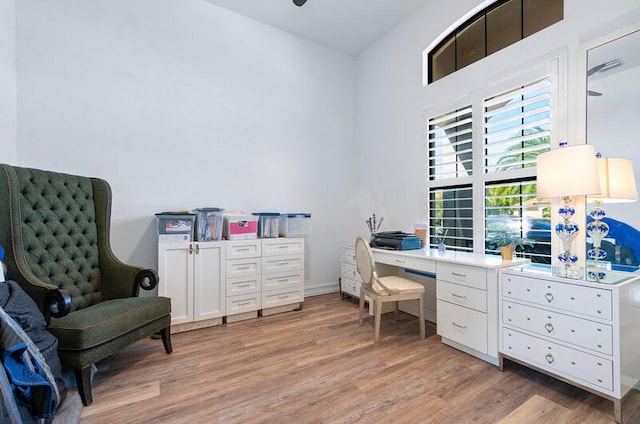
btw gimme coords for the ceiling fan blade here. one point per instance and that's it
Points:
(299, 2)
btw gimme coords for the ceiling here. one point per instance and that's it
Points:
(349, 26)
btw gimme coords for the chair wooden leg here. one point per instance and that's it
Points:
(421, 316)
(397, 310)
(378, 315)
(361, 306)
(166, 339)
(83, 381)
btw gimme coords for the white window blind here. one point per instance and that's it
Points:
(451, 217)
(450, 152)
(511, 209)
(517, 126)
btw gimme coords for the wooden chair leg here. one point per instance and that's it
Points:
(166, 339)
(397, 310)
(361, 306)
(378, 315)
(83, 381)
(421, 316)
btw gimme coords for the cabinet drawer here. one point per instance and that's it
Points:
(243, 267)
(349, 255)
(569, 297)
(351, 287)
(462, 325)
(567, 362)
(243, 303)
(282, 246)
(243, 285)
(462, 295)
(461, 274)
(283, 280)
(281, 297)
(581, 332)
(350, 271)
(405, 261)
(243, 249)
(283, 263)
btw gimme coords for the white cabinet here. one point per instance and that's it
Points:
(192, 275)
(282, 274)
(350, 280)
(244, 279)
(462, 307)
(585, 333)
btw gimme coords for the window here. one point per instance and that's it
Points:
(486, 31)
(481, 156)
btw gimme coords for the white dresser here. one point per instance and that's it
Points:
(350, 280)
(586, 333)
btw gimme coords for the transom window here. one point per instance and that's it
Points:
(486, 31)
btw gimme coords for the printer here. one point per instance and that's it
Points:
(396, 240)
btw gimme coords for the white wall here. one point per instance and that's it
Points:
(182, 105)
(8, 113)
(391, 99)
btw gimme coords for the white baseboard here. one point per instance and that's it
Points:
(318, 289)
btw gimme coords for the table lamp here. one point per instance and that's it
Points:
(565, 172)
(618, 185)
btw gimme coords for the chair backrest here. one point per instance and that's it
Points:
(366, 266)
(53, 233)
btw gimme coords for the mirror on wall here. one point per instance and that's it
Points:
(613, 127)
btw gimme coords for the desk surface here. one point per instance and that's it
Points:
(462, 258)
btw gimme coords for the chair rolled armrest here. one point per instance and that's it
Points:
(147, 279)
(57, 302)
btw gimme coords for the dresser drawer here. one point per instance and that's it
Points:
(569, 297)
(237, 249)
(350, 271)
(351, 287)
(281, 297)
(571, 363)
(283, 263)
(461, 274)
(405, 261)
(462, 295)
(582, 332)
(243, 267)
(282, 246)
(462, 325)
(588, 334)
(243, 303)
(243, 285)
(349, 255)
(283, 280)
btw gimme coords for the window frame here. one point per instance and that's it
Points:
(553, 67)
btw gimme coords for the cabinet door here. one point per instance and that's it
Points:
(175, 268)
(209, 280)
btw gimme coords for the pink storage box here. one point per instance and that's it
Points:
(240, 227)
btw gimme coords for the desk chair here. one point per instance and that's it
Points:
(384, 289)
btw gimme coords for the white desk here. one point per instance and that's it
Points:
(466, 294)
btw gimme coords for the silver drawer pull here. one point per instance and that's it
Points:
(464, 327)
(244, 303)
(283, 280)
(243, 249)
(286, 247)
(549, 297)
(283, 263)
(283, 296)
(459, 275)
(244, 267)
(244, 285)
(399, 261)
(549, 358)
(458, 296)
(549, 327)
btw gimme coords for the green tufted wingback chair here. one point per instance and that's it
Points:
(55, 231)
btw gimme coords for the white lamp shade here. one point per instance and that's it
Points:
(617, 181)
(568, 171)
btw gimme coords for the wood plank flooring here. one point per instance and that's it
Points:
(318, 366)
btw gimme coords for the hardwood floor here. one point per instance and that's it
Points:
(318, 366)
